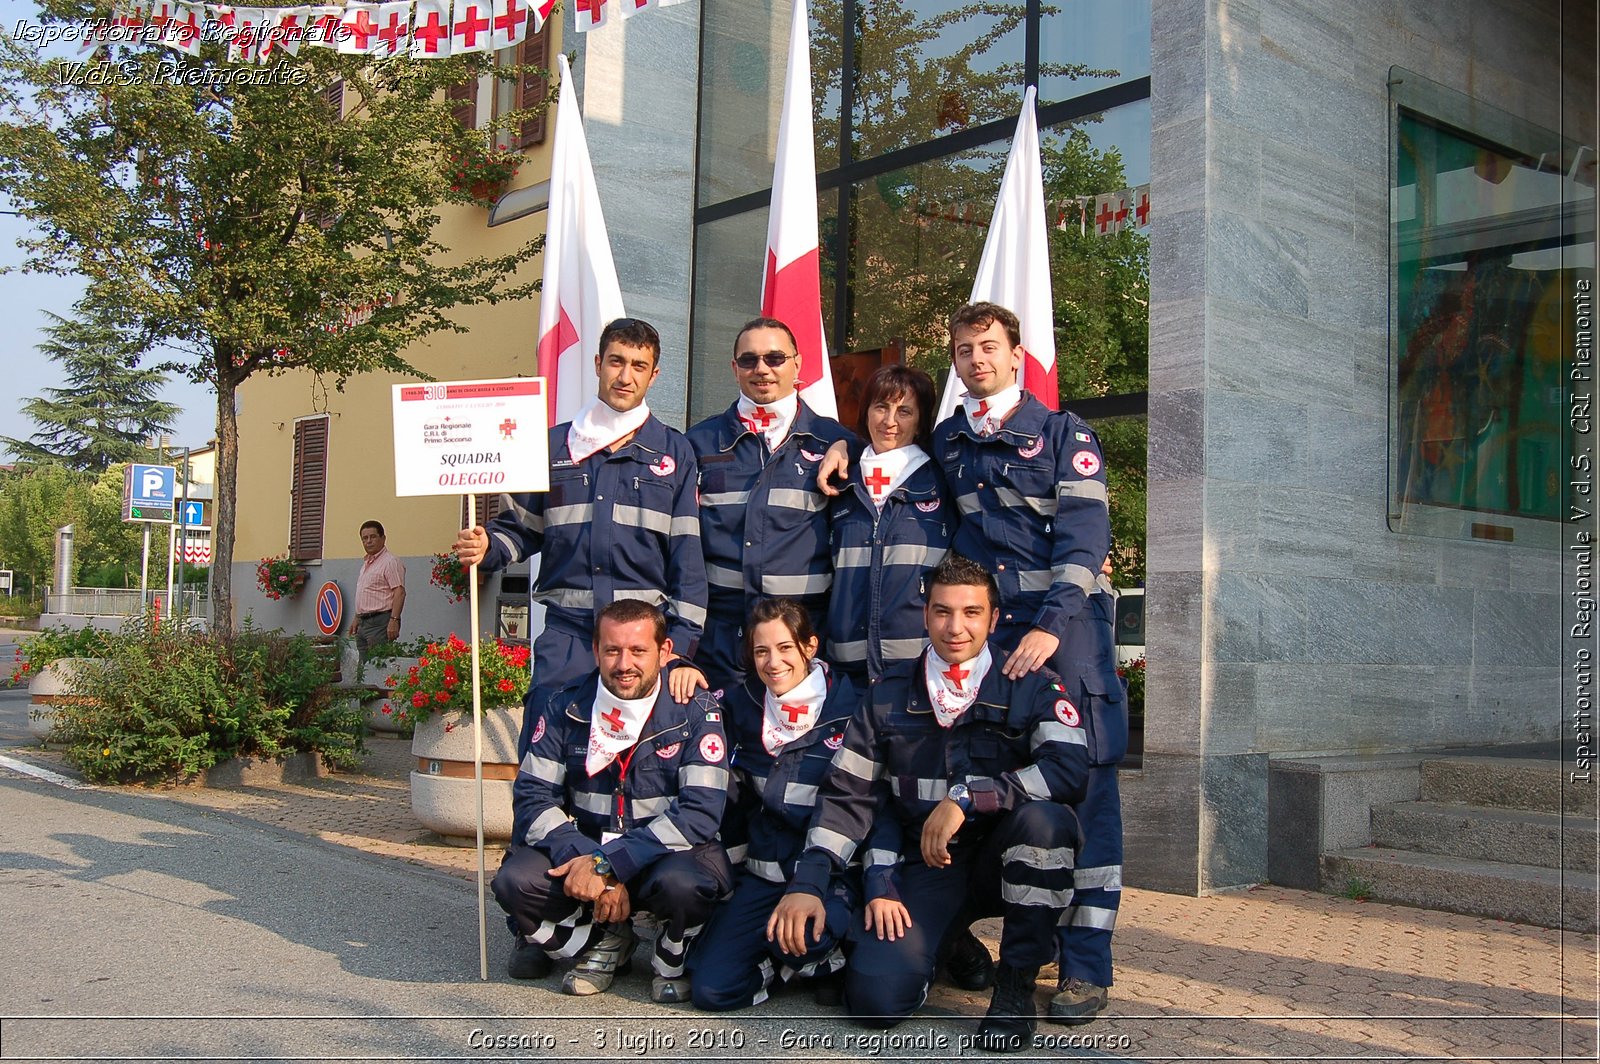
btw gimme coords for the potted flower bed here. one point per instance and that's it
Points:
(277, 577)
(172, 704)
(435, 695)
(51, 662)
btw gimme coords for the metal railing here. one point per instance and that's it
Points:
(122, 602)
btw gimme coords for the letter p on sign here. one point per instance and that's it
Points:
(151, 483)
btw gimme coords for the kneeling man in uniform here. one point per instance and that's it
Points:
(979, 772)
(616, 808)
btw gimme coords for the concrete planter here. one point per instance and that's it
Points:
(379, 722)
(50, 687)
(443, 791)
(262, 771)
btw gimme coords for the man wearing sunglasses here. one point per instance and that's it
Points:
(763, 521)
(618, 522)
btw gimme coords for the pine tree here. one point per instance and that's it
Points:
(109, 407)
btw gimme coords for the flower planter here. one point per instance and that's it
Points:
(443, 790)
(50, 687)
(262, 771)
(379, 722)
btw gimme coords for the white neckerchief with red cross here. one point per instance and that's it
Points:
(597, 427)
(615, 724)
(772, 421)
(787, 717)
(985, 415)
(883, 473)
(953, 688)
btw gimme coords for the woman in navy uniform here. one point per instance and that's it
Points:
(893, 522)
(783, 725)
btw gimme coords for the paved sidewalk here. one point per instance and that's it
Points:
(1266, 973)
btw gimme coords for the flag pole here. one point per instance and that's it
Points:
(477, 747)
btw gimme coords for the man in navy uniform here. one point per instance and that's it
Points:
(615, 810)
(980, 768)
(619, 520)
(763, 519)
(1031, 487)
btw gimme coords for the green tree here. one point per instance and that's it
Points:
(35, 500)
(251, 224)
(109, 407)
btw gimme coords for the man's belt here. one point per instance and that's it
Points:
(374, 613)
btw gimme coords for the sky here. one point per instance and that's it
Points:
(26, 298)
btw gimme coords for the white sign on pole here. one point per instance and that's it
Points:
(471, 437)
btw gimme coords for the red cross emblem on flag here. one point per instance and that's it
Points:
(431, 32)
(613, 719)
(507, 428)
(955, 674)
(469, 25)
(1086, 463)
(877, 481)
(508, 24)
(1104, 219)
(794, 712)
(393, 32)
(1142, 211)
(362, 29)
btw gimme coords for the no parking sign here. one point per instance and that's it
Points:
(330, 608)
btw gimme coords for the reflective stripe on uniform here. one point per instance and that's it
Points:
(665, 830)
(852, 558)
(1082, 489)
(863, 768)
(855, 650)
(881, 858)
(643, 807)
(641, 594)
(713, 776)
(794, 586)
(1101, 877)
(643, 517)
(912, 554)
(581, 513)
(722, 577)
(771, 871)
(544, 824)
(510, 545)
(685, 526)
(1053, 731)
(1033, 783)
(542, 768)
(927, 790)
(592, 802)
(1034, 579)
(1076, 574)
(797, 499)
(725, 498)
(1017, 500)
(1043, 857)
(1090, 916)
(835, 843)
(969, 504)
(689, 611)
(571, 598)
(800, 794)
(1027, 894)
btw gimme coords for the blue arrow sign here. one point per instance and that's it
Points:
(194, 513)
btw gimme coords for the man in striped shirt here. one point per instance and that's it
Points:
(380, 592)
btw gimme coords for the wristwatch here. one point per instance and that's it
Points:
(602, 863)
(960, 795)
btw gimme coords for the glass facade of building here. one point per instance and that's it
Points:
(915, 102)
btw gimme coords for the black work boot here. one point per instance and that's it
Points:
(1008, 1025)
(528, 961)
(967, 961)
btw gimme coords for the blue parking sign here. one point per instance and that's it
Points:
(149, 492)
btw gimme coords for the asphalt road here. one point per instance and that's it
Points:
(139, 927)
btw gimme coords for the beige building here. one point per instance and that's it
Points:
(342, 441)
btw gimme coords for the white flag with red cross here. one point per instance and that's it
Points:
(470, 27)
(394, 28)
(430, 29)
(323, 26)
(510, 23)
(285, 29)
(589, 14)
(360, 29)
(1014, 270)
(581, 294)
(183, 32)
(791, 289)
(244, 45)
(629, 8)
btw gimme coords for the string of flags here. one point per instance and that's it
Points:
(1103, 215)
(422, 29)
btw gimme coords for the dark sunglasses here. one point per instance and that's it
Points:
(749, 359)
